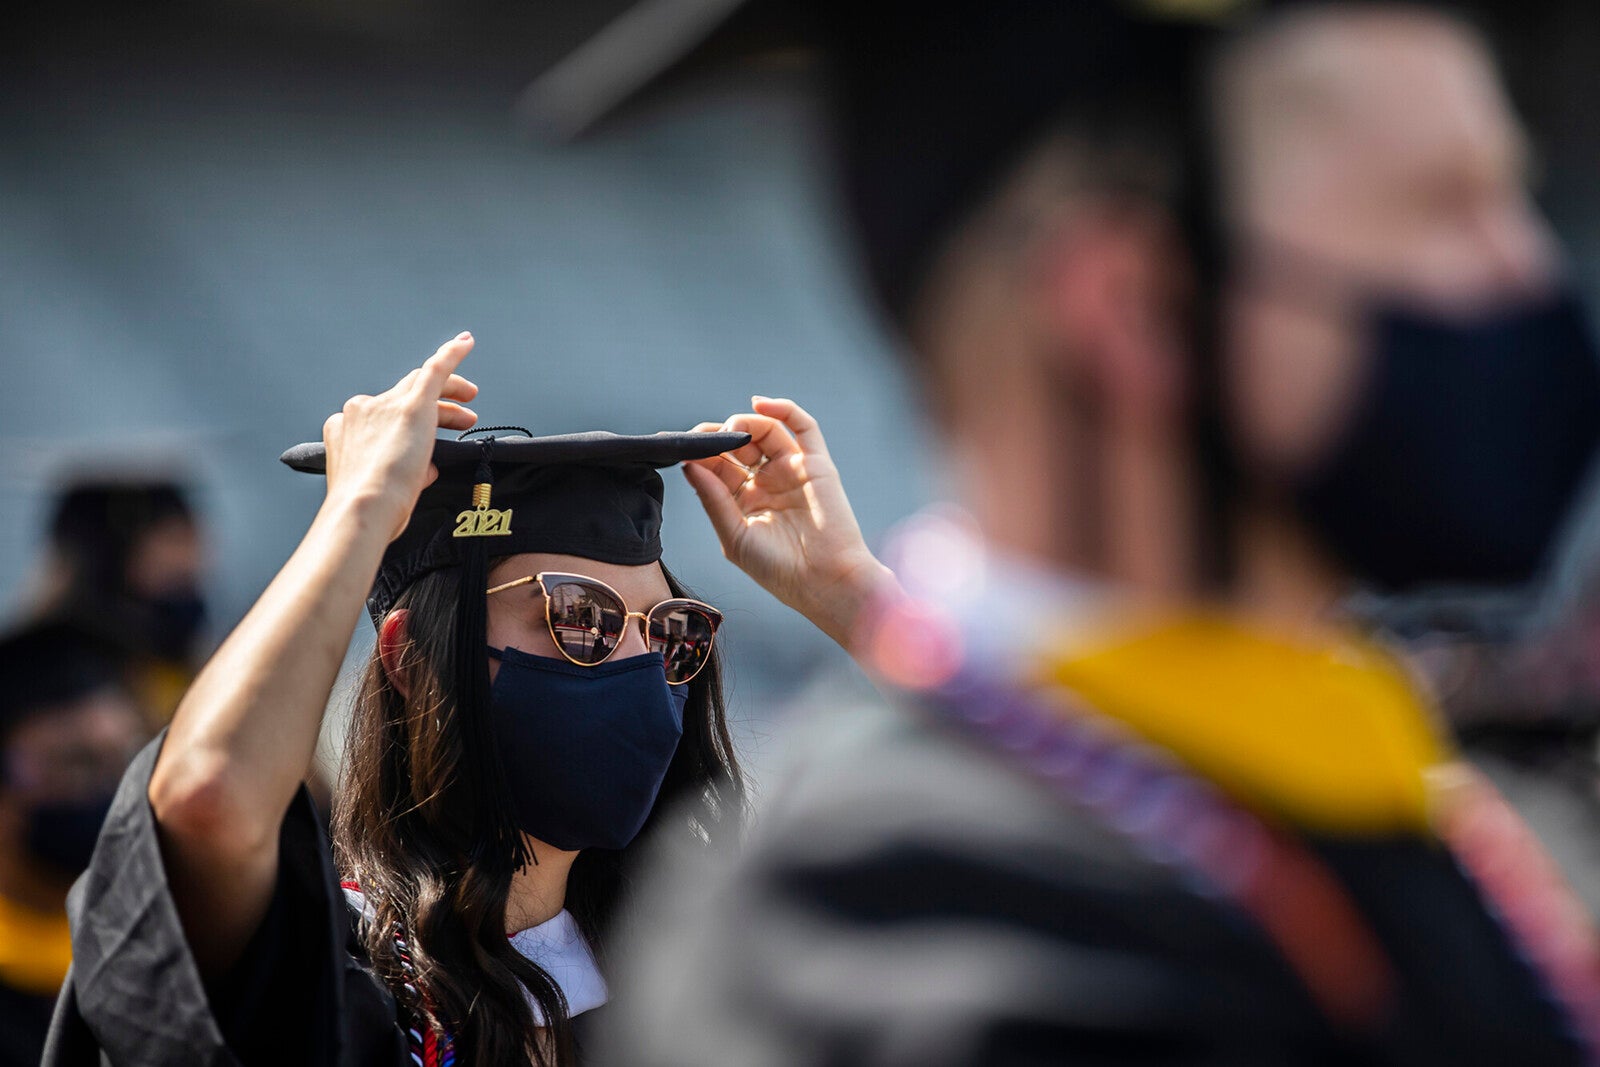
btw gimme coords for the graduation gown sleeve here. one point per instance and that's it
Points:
(904, 901)
(135, 995)
(909, 900)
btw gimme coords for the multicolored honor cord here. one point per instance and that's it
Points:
(977, 681)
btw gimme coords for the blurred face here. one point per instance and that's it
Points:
(517, 616)
(169, 558)
(74, 753)
(61, 766)
(1369, 155)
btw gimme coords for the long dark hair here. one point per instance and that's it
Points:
(400, 832)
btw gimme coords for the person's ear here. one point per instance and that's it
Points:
(1115, 286)
(393, 642)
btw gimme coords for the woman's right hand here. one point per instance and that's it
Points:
(380, 448)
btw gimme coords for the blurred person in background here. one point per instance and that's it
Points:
(127, 560)
(67, 730)
(1240, 328)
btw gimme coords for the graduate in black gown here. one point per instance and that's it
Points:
(517, 735)
(68, 726)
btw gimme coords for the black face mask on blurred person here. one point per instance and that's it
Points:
(173, 622)
(63, 834)
(1465, 449)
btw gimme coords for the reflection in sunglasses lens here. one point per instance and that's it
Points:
(586, 621)
(683, 637)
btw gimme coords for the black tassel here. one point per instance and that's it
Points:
(499, 845)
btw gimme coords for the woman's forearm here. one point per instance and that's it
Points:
(245, 733)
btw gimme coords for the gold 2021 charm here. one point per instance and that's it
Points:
(482, 520)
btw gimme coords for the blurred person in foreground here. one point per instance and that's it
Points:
(1518, 682)
(1136, 798)
(126, 559)
(67, 731)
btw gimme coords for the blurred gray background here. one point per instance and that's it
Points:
(220, 218)
(218, 222)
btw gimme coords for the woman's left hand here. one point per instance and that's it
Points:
(780, 511)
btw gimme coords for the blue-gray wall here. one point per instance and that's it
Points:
(203, 260)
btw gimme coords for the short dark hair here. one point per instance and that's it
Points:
(49, 665)
(936, 104)
(97, 523)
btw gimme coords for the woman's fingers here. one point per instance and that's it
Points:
(779, 430)
(799, 422)
(732, 474)
(769, 439)
(449, 355)
(380, 446)
(727, 518)
(438, 368)
(744, 457)
(438, 372)
(732, 468)
(455, 417)
(458, 388)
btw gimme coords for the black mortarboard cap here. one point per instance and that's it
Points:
(933, 99)
(596, 495)
(51, 664)
(98, 521)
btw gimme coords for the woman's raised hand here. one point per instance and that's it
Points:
(780, 511)
(380, 448)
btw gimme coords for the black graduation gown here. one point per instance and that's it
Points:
(300, 993)
(24, 1017)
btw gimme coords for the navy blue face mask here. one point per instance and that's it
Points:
(585, 749)
(1466, 449)
(63, 835)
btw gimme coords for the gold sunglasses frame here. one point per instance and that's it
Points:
(643, 616)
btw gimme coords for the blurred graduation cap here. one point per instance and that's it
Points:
(933, 99)
(500, 493)
(49, 665)
(100, 518)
